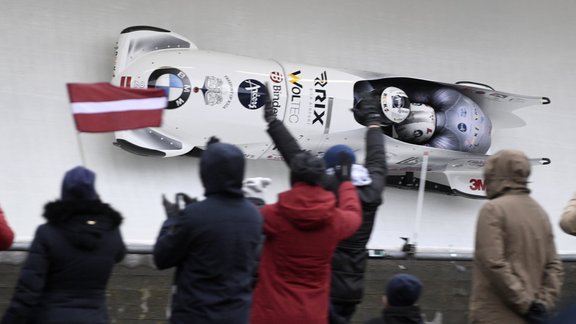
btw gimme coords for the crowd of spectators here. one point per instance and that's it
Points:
(299, 260)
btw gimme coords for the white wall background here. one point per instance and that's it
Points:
(520, 46)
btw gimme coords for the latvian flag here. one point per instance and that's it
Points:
(102, 107)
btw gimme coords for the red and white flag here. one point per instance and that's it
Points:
(102, 107)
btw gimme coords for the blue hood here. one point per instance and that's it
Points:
(222, 170)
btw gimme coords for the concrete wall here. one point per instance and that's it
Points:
(138, 293)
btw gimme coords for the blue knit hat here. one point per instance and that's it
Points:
(331, 156)
(403, 290)
(78, 184)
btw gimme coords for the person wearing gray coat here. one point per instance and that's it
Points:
(517, 276)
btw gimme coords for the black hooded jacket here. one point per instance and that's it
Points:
(350, 257)
(64, 277)
(213, 244)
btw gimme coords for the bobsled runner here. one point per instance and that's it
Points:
(220, 94)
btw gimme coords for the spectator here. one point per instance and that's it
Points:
(350, 257)
(302, 230)
(402, 293)
(213, 244)
(6, 234)
(517, 275)
(568, 218)
(64, 277)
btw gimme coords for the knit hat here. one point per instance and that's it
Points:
(305, 167)
(331, 157)
(78, 184)
(403, 290)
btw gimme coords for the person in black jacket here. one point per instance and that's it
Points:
(349, 260)
(402, 293)
(213, 244)
(70, 260)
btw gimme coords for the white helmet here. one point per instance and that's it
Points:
(395, 104)
(419, 126)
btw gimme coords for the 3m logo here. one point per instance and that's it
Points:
(477, 185)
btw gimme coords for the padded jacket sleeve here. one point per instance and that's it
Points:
(375, 162)
(171, 245)
(286, 144)
(349, 209)
(31, 281)
(490, 258)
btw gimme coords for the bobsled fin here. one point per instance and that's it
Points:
(137, 41)
(151, 142)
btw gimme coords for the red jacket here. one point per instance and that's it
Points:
(6, 234)
(302, 230)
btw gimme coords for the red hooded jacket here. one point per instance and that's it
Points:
(302, 230)
(6, 234)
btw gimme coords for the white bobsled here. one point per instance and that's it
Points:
(219, 94)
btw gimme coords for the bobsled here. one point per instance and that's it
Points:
(445, 126)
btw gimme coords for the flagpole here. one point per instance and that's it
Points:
(420, 201)
(80, 149)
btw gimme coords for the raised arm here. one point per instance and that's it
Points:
(283, 140)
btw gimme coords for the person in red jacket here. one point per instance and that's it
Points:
(302, 231)
(6, 234)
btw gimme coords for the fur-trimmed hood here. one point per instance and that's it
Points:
(83, 222)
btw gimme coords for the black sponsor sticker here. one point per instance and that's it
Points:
(252, 94)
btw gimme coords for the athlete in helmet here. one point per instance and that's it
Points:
(393, 101)
(395, 104)
(452, 121)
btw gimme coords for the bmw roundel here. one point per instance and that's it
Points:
(174, 82)
(252, 94)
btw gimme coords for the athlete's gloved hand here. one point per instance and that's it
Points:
(269, 111)
(343, 170)
(368, 110)
(537, 313)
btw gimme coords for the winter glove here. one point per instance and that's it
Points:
(173, 209)
(170, 208)
(269, 111)
(183, 200)
(343, 170)
(253, 189)
(368, 110)
(537, 313)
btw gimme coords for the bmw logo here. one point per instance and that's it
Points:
(174, 82)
